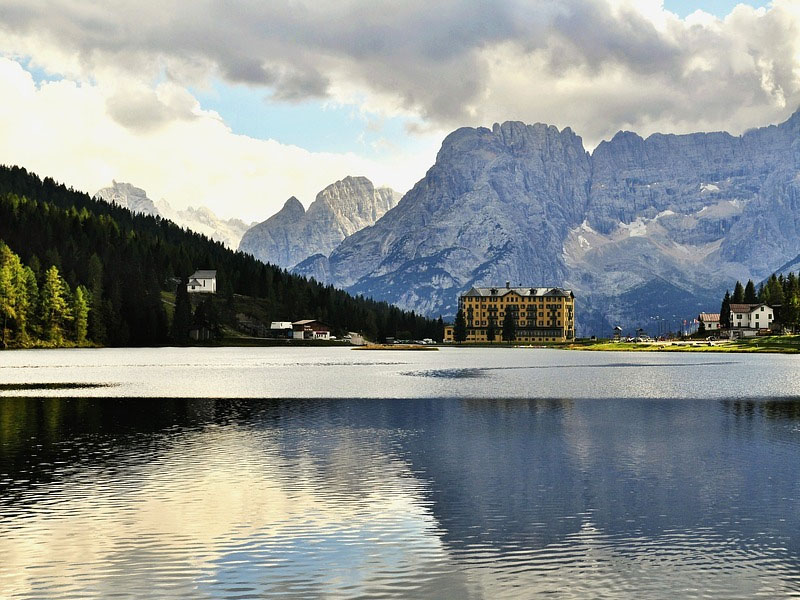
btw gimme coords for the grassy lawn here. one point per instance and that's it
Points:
(785, 344)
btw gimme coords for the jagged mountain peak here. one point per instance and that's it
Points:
(292, 208)
(128, 196)
(345, 188)
(339, 210)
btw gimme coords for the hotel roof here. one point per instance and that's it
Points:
(494, 292)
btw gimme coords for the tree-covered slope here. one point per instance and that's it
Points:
(124, 260)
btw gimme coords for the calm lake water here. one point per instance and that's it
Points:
(464, 473)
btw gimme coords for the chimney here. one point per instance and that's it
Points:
(508, 284)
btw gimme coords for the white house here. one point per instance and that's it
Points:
(747, 319)
(281, 329)
(710, 321)
(203, 282)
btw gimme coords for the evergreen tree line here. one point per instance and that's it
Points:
(38, 307)
(780, 292)
(123, 261)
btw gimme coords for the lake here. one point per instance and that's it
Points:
(463, 473)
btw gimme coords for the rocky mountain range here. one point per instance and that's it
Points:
(200, 219)
(643, 230)
(294, 234)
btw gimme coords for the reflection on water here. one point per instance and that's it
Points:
(467, 498)
(476, 372)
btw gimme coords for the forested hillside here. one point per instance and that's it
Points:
(121, 262)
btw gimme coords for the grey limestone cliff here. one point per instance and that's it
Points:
(341, 209)
(643, 229)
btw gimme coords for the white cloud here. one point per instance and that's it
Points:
(86, 135)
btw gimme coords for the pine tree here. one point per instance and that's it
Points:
(8, 300)
(725, 310)
(23, 307)
(32, 308)
(763, 293)
(775, 288)
(792, 295)
(791, 313)
(54, 307)
(96, 328)
(738, 293)
(80, 313)
(460, 327)
(182, 318)
(509, 327)
(750, 293)
(15, 302)
(491, 329)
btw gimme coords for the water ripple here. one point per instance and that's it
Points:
(396, 499)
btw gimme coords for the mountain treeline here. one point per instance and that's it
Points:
(780, 292)
(120, 262)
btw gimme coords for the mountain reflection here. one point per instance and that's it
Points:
(396, 497)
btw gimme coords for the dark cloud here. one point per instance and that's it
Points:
(444, 60)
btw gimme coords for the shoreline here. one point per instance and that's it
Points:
(784, 344)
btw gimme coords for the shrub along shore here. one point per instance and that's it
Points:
(780, 344)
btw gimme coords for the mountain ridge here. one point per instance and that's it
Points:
(528, 203)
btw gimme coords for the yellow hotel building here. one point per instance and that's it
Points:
(540, 314)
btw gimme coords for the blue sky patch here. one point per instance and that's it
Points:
(318, 126)
(719, 8)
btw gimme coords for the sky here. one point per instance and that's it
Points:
(239, 104)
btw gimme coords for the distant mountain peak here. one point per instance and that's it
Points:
(201, 219)
(292, 208)
(128, 196)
